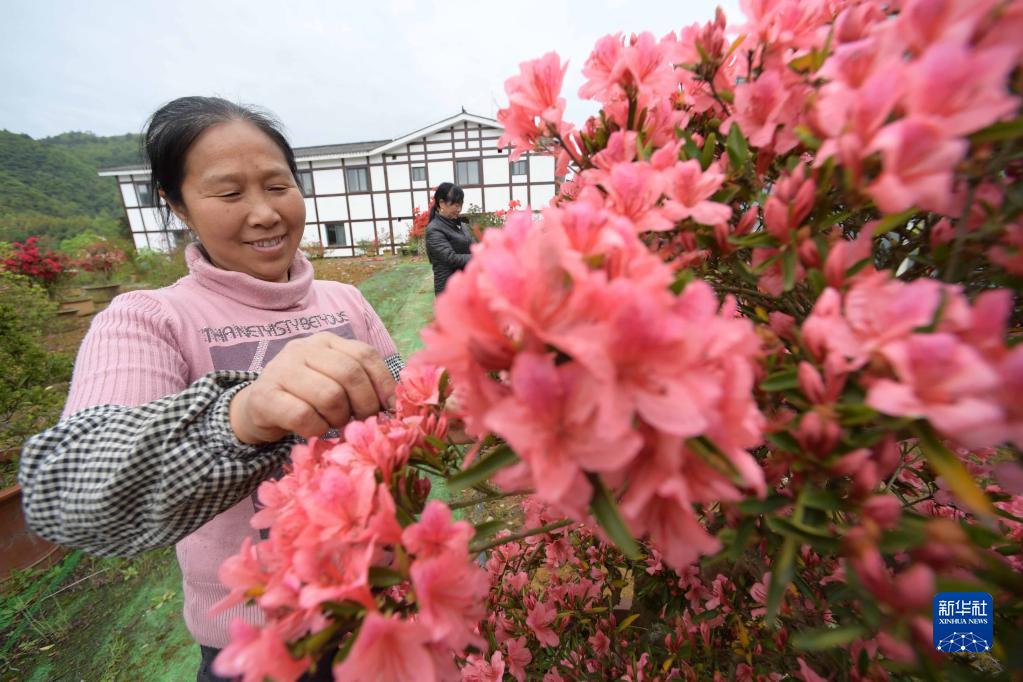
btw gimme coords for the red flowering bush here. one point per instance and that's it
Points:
(755, 371)
(45, 268)
(102, 258)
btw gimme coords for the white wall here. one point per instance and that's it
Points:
(332, 208)
(329, 181)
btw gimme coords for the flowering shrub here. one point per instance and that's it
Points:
(102, 258)
(755, 370)
(45, 268)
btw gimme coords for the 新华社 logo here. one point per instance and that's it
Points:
(963, 622)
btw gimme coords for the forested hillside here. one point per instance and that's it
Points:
(50, 187)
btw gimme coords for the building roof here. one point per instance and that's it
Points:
(338, 151)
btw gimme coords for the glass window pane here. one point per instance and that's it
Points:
(337, 235)
(357, 179)
(305, 181)
(467, 172)
(145, 193)
(419, 173)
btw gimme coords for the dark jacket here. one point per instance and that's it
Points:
(447, 245)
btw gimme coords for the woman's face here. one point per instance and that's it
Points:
(450, 209)
(240, 198)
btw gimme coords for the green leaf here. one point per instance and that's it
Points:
(483, 469)
(890, 222)
(788, 269)
(629, 620)
(816, 537)
(827, 638)
(381, 576)
(713, 456)
(806, 136)
(755, 239)
(947, 465)
(785, 380)
(736, 146)
(610, 519)
(764, 506)
(487, 528)
(856, 414)
(821, 499)
(999, 132)
(781, 576)
(709, 146)
(785, 441)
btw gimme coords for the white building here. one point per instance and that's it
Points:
(366, 191)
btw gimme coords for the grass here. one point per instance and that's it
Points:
(120, 619)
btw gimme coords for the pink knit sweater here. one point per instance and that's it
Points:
(149, 344)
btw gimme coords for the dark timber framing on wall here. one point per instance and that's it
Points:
(436, 144)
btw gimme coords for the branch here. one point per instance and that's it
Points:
(474, 549)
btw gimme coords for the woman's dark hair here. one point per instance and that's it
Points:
(446, 191)
(175, 127)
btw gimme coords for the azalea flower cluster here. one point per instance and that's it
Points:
(45, 268)
(565, 339)
(346, 569)
(842, 176)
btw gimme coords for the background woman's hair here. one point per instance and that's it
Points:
(174, 128)
(446, 191)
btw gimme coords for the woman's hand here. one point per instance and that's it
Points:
(315, 384)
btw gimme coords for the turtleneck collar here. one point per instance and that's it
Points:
(248, 290)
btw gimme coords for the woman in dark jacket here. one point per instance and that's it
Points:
(447, 236)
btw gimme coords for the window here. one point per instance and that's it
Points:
(305, 181)
(418, 173)
(144, 190)
(337, 234)
(519, 167)
(467, 172)
(357, 179)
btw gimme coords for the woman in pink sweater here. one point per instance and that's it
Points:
(185, 398)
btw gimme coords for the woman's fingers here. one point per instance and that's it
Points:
(372, 364)
(314, 384)
(349, 378)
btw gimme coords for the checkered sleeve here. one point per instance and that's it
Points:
(116, 481)
(395, 364)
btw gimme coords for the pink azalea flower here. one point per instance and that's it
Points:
(918, 157)
(760, 109)
(602, 70)
(480, 670)
(689, 192)
(645, 67)
(257, 653)
(451, 592)
(419, 386)
(926, 22)
(943, 380)
(437, 533)
(785, 23)
(963, 89)
(553, 420)
(808, 674)
(519, 657)
(388, 648)
(244, 575)
(537, 88)
(1008, 253)
(633, 191)
(539, 619)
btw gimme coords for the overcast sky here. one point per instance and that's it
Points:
(332, 71)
